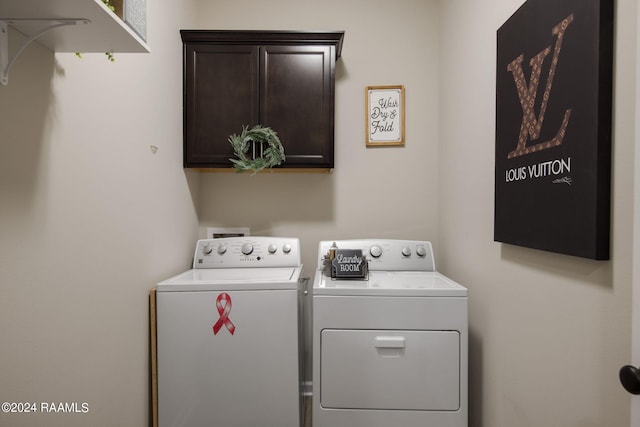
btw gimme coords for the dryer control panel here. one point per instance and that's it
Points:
(247, 252)
(384, 254)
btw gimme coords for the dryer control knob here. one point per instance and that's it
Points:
(286, 248)
(222, 249)
(421, 251)
(272, 248)
(247, 248)
(375, 251)
(207, 250)
(406, 251)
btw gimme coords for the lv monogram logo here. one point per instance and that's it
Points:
(532, 124)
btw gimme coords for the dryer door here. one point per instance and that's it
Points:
(394, 370)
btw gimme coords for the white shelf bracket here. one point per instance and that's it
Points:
(44, 25)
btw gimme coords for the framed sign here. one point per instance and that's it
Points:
(349, 264)
(553, 127)
(385, 115)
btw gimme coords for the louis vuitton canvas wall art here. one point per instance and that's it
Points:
(553, 127)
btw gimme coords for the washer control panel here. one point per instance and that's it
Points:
(247, 252)
(385, 254)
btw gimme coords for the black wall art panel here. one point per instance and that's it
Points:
(553, 127)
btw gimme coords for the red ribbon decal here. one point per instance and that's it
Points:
(223, 311)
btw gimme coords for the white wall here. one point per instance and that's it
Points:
(388, 192)
(90, 220)
(548, 332)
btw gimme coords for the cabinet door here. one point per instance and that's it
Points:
(296, 100)
(220, 96)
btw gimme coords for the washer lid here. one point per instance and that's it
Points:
(233, 279)
(391, 283)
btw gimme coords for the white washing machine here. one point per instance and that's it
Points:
(227, 336)
(389, 348)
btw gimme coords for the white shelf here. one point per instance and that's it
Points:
(64, 26)
(104, 32)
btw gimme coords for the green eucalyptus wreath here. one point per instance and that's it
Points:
(273, 155)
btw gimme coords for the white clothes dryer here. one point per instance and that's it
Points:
(389, 348)
(228, 336)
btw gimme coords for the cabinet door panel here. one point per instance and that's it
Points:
(296, 100)
(221, 95)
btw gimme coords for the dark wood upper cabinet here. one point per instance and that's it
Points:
(283, 80)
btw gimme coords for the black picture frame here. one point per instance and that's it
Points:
(553, 127)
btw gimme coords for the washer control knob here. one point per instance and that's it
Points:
(247, 248)
(421, 251)
(207, 249)
(286, 248)
(375, 251)
(272, 248)
(406, 251)
(222, 249)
